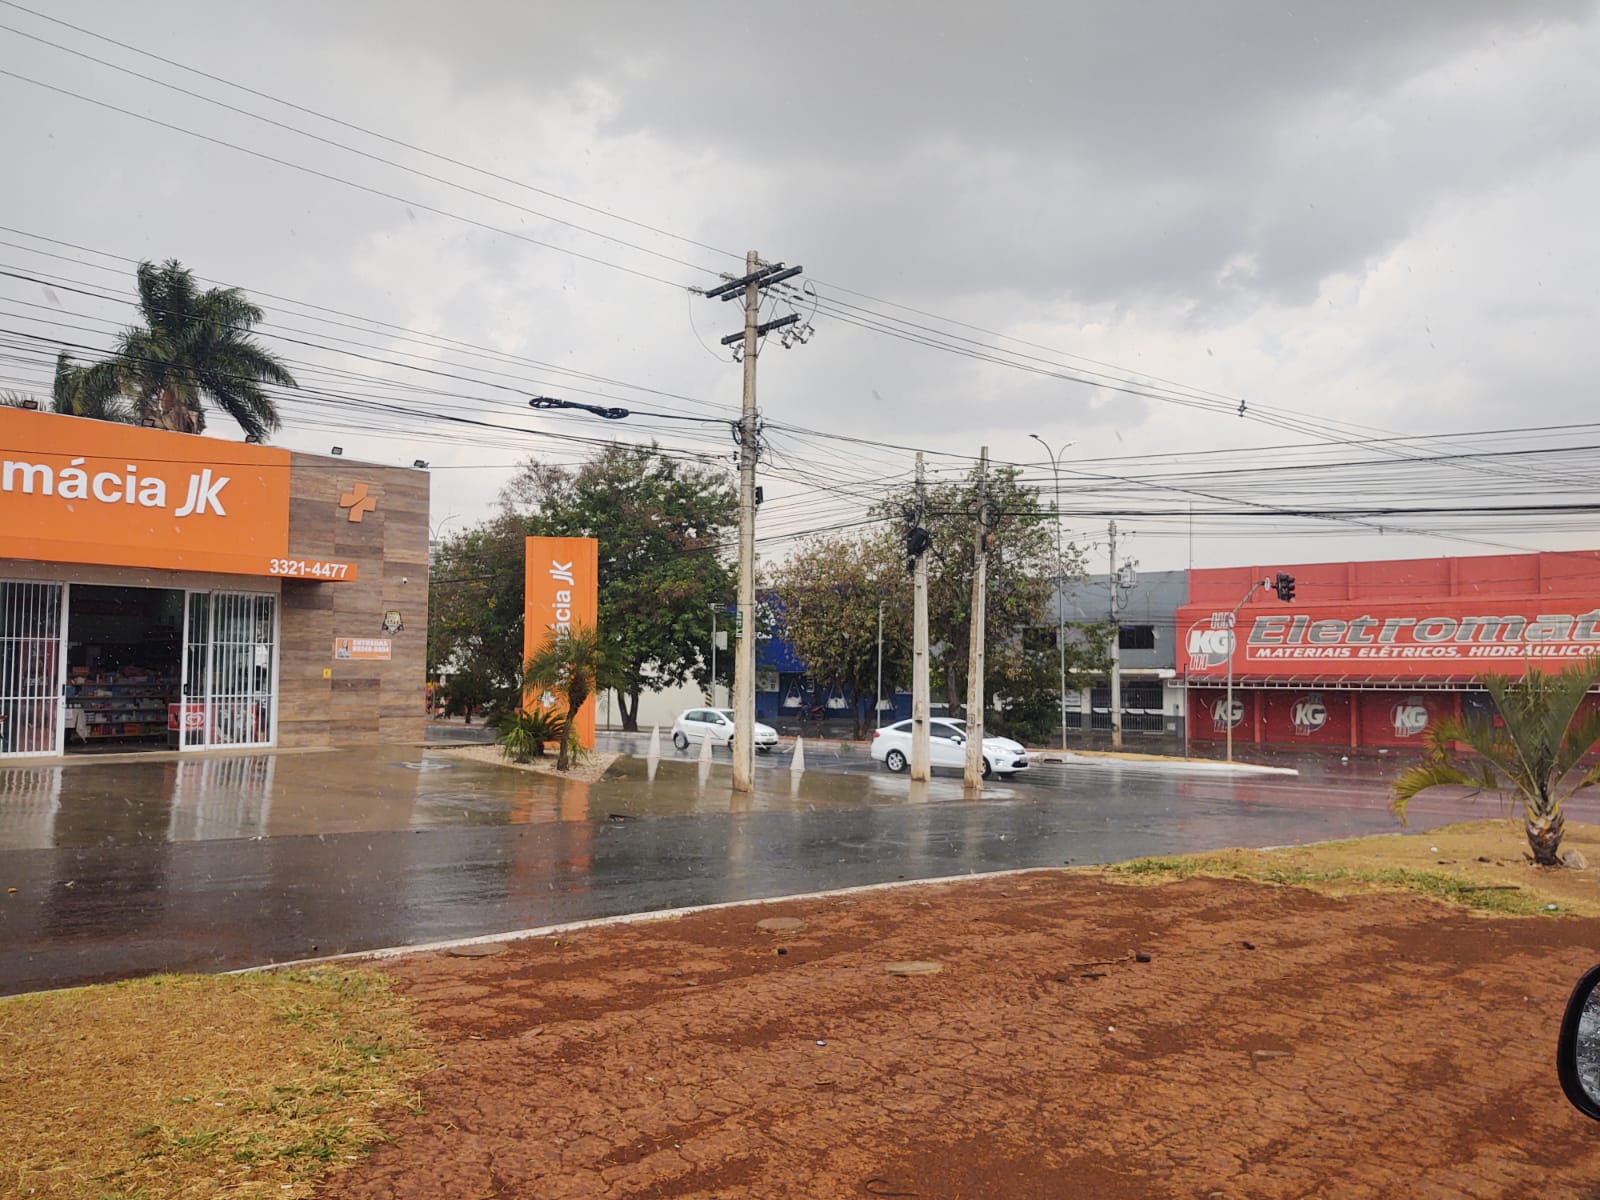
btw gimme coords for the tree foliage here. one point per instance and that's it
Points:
(475, 606)
(661, 525)
(825, 602)
(1534, 752)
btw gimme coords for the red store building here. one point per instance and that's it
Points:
(1373, 653)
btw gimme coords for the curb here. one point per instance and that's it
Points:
(1176, 766)
(664, 914)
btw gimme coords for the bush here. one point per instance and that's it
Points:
(523, 734)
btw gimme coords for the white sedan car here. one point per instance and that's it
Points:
(947, 747)
(716, 725)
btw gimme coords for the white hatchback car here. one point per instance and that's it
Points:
(716, 725)
(947, 747)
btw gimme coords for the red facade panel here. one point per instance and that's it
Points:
(1312, 717)
(1403, 718)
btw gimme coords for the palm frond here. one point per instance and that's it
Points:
(1581, 737)
(1434, 773)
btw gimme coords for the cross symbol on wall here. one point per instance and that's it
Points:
(358, 502)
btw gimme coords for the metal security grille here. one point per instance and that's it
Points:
(227, 669)
(196, 657)
(30, 660)
(241, 669)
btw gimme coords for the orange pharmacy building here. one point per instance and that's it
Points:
(162, 590)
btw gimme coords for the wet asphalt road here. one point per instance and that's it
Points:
(124, 869)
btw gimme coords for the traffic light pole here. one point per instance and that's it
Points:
(1283, 585)
(1233, 642)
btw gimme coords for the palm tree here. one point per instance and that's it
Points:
(1537, 745)
(194, 346)
(93, 391)
(569, 663)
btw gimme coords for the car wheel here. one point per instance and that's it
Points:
(681, 742)
(763, 749)
(988, 769)
(895, 761)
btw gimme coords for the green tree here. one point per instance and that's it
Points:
(1021, 574)
(825, 603)
(475, 606)
(660, 525)
(194, 347)
(567, 663)
(1534, 753)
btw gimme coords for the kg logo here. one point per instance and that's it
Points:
(1410, 717)
(1309, 714)
(1226, 714)
(1209, 647)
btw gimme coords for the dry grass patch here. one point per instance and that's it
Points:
(190, 1085)
(1481, 865)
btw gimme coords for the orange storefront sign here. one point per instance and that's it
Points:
(80, 491)
(562, 590)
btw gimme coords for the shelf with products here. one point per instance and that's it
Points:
(103, 705)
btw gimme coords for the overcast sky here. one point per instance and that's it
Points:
(1372, 214)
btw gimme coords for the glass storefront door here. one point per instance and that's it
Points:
(229, 644)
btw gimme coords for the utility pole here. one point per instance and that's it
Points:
(877, 696)
(917, 544)
(1061, 596)
(714, 656)
(1116, 650)
(744, 657)
(756, 277)
(973, 777)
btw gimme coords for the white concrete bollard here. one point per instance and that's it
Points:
(654, 753)
(798, 762)
(705, 749)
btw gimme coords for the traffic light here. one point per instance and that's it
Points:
(1284, 586)
(917, 543)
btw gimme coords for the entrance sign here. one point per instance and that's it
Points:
(76, 490)
(562, 589)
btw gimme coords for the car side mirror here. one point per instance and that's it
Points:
(1578, 1049)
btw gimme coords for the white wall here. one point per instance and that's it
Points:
(655, 708)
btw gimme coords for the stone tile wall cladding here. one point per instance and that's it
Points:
(363, 701)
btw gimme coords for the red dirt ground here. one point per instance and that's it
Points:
(1277, 1044)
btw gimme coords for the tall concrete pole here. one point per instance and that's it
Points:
(1116, 650)
(877, 696)
(744, 661)
(973, 777)
(921, 749)
(1061, 599)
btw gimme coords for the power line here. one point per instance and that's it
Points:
(378, 158)
(369, 132)
(331, 178)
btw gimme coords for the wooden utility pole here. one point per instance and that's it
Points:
(980, 597)
(756, 278)
(920, 747)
